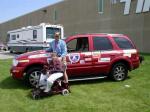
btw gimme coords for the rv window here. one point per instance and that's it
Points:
(51, 31)
(13, 37)
(34, 34)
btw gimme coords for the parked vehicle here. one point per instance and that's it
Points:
(32, 37)
(3, 46)
(90, 56)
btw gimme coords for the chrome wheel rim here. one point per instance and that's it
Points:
(119, 73)
(34, 78)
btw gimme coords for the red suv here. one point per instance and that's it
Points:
(90, 56)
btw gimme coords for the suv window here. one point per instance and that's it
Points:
(78, 44)
(102, 43)
(123, 43)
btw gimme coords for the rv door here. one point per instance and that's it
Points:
(8, 37)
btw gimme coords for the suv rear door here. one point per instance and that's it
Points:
(103, 47)
(79, 58)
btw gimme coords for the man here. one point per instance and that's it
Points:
(59, 47)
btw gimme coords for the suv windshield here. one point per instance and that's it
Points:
(123, 43)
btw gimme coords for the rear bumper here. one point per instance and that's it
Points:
(17, 72)
(136, 64)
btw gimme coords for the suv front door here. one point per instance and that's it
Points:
(79, 58)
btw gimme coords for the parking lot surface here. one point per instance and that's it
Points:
(6, 55)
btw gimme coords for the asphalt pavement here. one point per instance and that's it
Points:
(6, 55)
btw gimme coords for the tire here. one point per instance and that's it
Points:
(65, 92)
(36, 94)
(33, 75)
(119, 72)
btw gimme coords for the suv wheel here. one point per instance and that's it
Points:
(119, 72)
(33, 76)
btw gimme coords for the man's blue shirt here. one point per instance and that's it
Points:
(60, 49)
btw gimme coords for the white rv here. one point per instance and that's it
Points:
(32, 37)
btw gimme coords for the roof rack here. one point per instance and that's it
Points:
(98, 34)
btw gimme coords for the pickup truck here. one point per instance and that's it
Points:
(90, 56)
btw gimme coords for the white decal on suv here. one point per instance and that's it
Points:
(96, 54)
(129, 52)
(110, 52)
(38, 56)
(104, 60)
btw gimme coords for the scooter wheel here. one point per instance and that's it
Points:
(36, 95)
(65, 92)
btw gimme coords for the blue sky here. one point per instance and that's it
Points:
(10, 9)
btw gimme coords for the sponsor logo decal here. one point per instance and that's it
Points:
(88, 59)
(87, 53)
(23, 61)
(74, 58)
(109, 52)
(38, 56)
(104, 60)
(129, 52)
(96, 54)
(82, 62)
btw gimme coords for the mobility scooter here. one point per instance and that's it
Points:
(58, 87)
